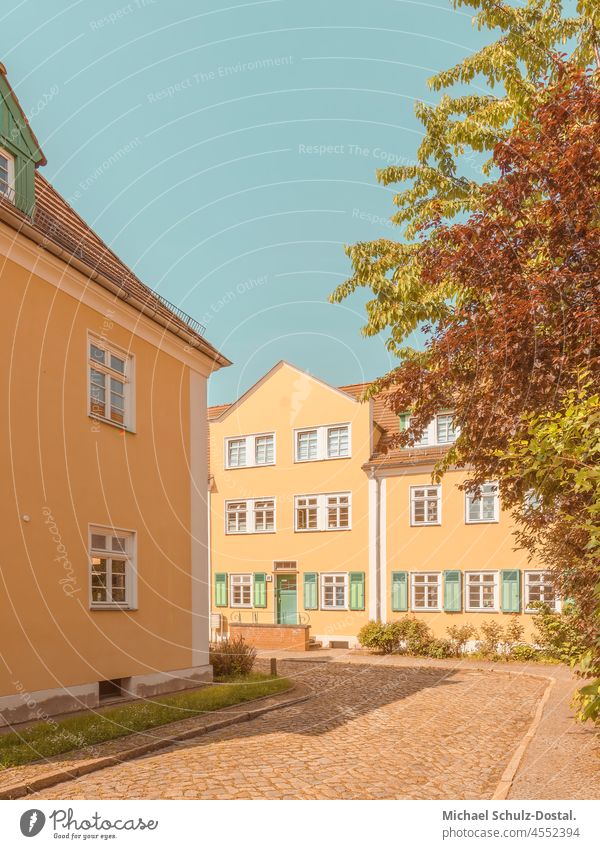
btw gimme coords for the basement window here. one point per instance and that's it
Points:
(112, 689)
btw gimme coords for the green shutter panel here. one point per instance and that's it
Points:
(357, 590)
(311, 591)
(24, 184)
(511, 590)
(399, 591)
(220, 589)
(452, 591)
(404, 417)
(260, 589)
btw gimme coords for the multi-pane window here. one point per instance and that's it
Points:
(334, 592)
(264, 515)
(426, 590)
(338, 511)
(306, 445)
(236, 453)
(445, 431)
(264, 450)
(326, 442)
(323, 512)
(425, 505)
(250, 516)
(539, 587)
(423, 438)
(236, 516)
(109, 383)
(111, 559)
(240, 590)
(337, 441)
(482, 504)
(255, 450)
(7, 174)
(307, 511)
(482, 590)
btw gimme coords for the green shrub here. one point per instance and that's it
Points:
(232, 658)
(514, 630)
(383, 636)
(440, 649)
(460, 636)
(524, 653)
(559, 634)
(493, 635)
(415, 635)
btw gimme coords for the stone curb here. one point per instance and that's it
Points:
(508, 776)
(17, 791)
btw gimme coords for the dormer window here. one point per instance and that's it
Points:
(7, 175)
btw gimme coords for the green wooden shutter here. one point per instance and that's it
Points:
(357, 590)
(260, 589)
(24, 184)
(220, 589)
(399, 591)
(511, 590)
(452, 591)
(311, 594)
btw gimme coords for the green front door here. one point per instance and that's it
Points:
(287, 602)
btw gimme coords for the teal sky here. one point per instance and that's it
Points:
(227, 152)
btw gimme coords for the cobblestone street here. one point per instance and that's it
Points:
(370, 732)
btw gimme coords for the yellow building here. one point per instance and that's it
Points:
(318, 521)
(104, 460)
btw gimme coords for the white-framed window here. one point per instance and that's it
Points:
(338, 511)
(481, 591)
(236, 453)
(264, 450)
(264, 515)
(334, 591)
(440, 430)
(7, 174)
(539, 587)
(240, 590)
(250, 516)
(112, 568)
(445, 430)
(426, 590)
(110, 382)
(256, 449)
(325, 442)
(483, 506)
(426, 505)
(323, 512)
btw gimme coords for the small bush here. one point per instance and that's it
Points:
(559, 634)
(440, 649)
(524, 653)
(514, 630)
(459, 637)
(415, 635)
(232, 658)
(382, 636)
(492, 638)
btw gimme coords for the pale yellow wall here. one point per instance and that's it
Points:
(451, 545)
(55, 458)
(290, 399)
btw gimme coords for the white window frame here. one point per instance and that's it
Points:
(128, 556)
(127, 378)
(495, 495)
(412, 500)
(426, 584)
(322, 512)
(322, 432)
(247, 582)
(526, 587)
(454, 429)
(10, 193)
(323, 583)
(250, 440)
(250, 515)
(429, 435)
(496, 607)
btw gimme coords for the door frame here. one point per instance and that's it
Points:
(278, 575)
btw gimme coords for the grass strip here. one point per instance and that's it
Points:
(51, 738)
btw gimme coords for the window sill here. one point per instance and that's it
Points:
(249, 533)
(250, 466)
(425, 524)
(426, 610)
(482, 610)
(334, 609)
(112, 607)
(102, 420)
(482, 522)
(323, 459)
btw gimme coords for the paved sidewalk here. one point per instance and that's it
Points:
(371, 732)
